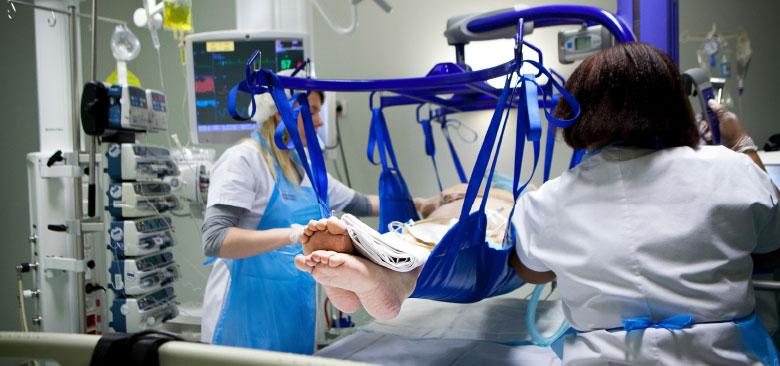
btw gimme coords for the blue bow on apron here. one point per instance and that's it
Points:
(754, 336)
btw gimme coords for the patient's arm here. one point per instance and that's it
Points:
(526, 273)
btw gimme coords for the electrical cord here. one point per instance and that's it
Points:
(339, 110)
(20, 297)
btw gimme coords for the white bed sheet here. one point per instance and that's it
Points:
(436, 333)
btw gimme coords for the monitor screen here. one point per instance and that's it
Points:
(218, 65)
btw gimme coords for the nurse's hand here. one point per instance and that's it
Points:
(731, 130)
(326, 234)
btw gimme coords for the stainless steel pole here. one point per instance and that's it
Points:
(77, 182)
(93, 139)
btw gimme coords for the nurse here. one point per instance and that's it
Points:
(652, 238)
(258, 199)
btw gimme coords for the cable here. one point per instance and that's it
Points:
(340, 30)
(339, 109)
(20, 296)
(530, 319)
(325, 313)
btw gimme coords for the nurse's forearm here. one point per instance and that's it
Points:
(243, 243)
(374, 204)
(527, 274)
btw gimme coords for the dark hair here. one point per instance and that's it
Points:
(631, 94)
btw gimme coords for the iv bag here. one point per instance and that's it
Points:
(177, 15)
(124, 44)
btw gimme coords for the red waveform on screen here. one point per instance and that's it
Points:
(206, 85)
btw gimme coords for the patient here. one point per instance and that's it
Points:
(351, 280)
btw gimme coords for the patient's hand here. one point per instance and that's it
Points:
(427, 205)
(326, 234)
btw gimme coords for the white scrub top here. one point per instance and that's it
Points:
(634, 232)
(241, 178)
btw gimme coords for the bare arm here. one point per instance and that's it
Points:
(733, 135)
(527, 274)
(374, 204)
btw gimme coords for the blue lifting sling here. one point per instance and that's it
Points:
(464, 267)
(396, 202)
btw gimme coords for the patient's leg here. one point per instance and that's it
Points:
(320, 235)
(380, 290)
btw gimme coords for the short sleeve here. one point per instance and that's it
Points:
(234, 180)
(765, 210)
(339, 194)
(527, 224)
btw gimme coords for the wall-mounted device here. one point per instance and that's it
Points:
(137, 199)
(139, 162)
(129, 315)
(139, 276)
(215, 62)
(131, 238)
(580, 43)
(697, 84)
(158, 110)
(128, 109)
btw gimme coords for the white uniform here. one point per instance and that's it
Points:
(634, 232)
(241, 178)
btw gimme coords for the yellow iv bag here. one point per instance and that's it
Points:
(177, 15)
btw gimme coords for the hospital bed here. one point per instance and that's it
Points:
(490, 332)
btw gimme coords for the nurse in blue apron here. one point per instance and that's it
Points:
(258, 198)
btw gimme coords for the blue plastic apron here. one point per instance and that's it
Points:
(270, 304)
(396, 202)
(754, 336)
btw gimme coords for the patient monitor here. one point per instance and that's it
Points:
(215, 63)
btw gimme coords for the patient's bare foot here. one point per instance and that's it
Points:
(326, 234)
(331, 234)
(380, 290)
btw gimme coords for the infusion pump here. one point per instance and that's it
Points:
(578, 44)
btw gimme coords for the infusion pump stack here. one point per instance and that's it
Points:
(127, 267)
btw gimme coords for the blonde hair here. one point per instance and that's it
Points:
(282, 157)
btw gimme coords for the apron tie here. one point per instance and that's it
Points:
(644, 322)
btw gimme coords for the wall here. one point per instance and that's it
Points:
(762, 84)
(405, 43)
(19, 120)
